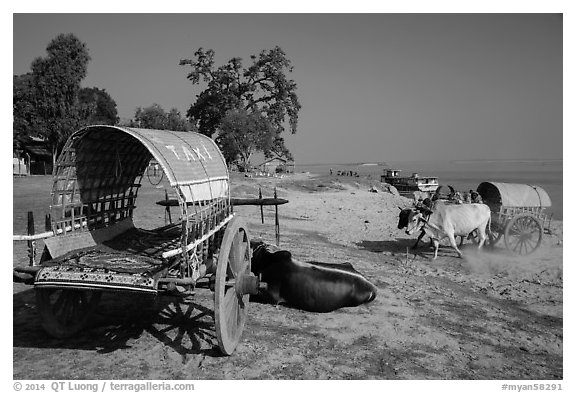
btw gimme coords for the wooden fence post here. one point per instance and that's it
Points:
(277, 222)
(261, 207)
(167, 211)
(31, 243)
(47, 223)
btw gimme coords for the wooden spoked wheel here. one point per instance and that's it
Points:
(154, 174)
(231, 300)
(523, 234)
(65, 311)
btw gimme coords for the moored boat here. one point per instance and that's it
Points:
(405, 184)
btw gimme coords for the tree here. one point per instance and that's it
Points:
(24, 111)
(97, 106)
(262, 89)
(56, 80)
(154, 117)
(175, 121)
(243, 133)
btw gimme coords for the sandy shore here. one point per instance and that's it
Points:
(347, 214)
(489, 315)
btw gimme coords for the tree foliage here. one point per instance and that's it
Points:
(56, 79)
(49, 101)
(97, 106)
(23, 108)
(243, 133)
(154, 117)
(262, 89)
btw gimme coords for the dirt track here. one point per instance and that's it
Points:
(487, 316)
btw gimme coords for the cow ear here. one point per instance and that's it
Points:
(400, 208)
(283, 255)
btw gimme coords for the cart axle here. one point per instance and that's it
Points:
(246, 284)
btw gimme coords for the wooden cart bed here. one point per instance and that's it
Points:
(131, 260)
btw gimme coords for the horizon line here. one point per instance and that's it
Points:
(456, 161)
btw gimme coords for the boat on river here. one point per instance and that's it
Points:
(406, 184)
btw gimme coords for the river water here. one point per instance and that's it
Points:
(467, 175)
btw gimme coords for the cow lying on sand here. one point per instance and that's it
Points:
(309, 286)
(450, 221)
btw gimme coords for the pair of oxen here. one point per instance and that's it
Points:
(439, 220)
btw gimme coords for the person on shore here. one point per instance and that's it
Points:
(458, 197)
(475, 197)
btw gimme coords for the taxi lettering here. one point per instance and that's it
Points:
(197, 153)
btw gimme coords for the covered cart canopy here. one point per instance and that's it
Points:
(96, 182)
(98, 173)
(513, 195)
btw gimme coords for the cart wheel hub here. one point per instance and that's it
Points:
(246, 283)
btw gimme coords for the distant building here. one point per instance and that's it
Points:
(19, 166)
(276, 165)
(33, 158)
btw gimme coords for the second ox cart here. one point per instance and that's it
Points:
(518, 214)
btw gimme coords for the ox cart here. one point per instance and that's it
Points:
(517, 214)
(93, 245)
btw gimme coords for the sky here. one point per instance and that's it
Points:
(373, 87)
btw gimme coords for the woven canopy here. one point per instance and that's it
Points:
(192, 162)
(99, 172)
(513, 195)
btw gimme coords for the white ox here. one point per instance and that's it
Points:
(450, 221)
